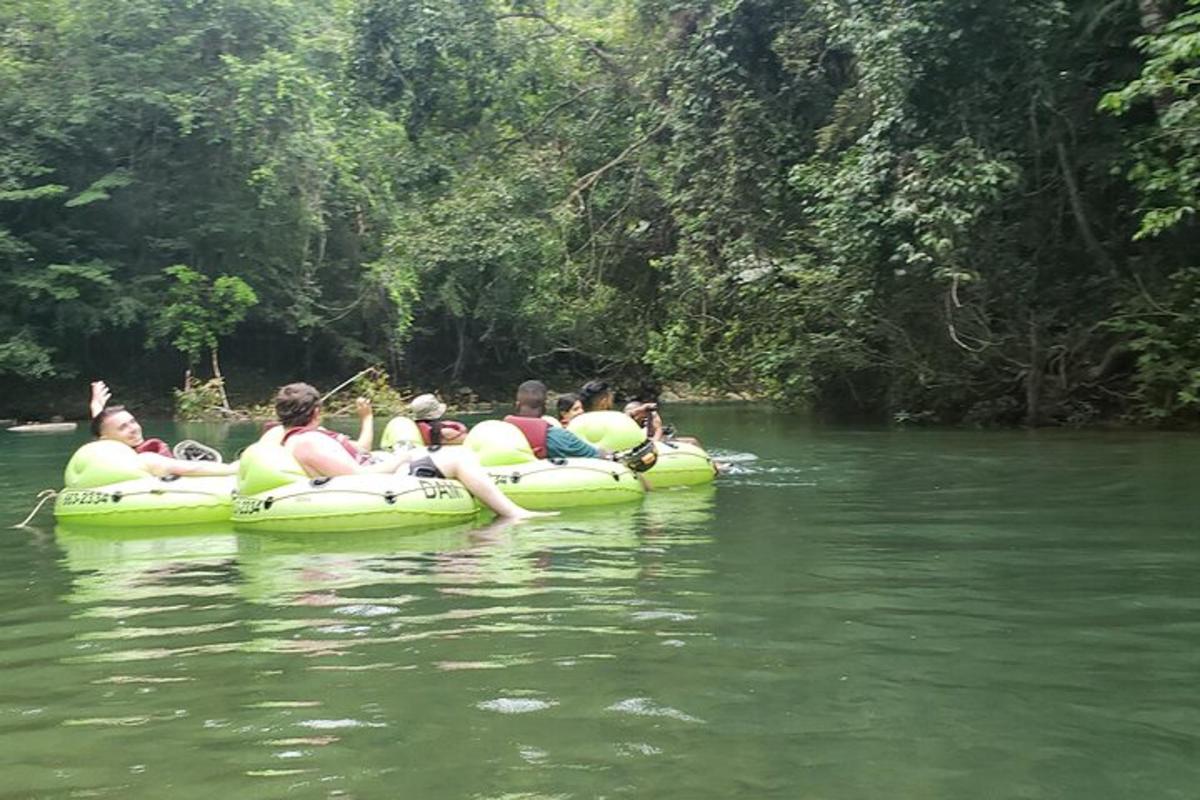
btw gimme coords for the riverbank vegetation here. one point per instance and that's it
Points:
(953, 210)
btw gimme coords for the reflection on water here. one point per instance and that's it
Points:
(349, 594)
(223, 638)
(120, 567)
(588, 545)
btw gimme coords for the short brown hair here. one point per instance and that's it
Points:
(295, 403)
(105, 413)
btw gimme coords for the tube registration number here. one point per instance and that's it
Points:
(85, 497)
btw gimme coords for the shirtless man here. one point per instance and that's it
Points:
(637, 411)
(323, 453)
(116, 424)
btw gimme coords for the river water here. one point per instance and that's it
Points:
(854, 613)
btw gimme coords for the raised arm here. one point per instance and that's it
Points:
(638, 411)
(99, 399)
(366, 418)
(657, 425)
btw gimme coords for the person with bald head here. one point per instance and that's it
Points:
(546, 440)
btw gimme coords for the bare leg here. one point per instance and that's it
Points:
(461, 464)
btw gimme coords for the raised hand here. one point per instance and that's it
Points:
(100, 397)
(366, 422)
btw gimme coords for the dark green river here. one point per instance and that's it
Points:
(855, 613)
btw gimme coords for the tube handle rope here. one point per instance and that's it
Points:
(43, 496)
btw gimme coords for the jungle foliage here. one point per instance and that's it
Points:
(953, 210)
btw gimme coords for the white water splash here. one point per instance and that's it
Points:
(645, 707)
(516, 705)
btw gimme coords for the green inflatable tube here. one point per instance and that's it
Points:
(548, 484)
(678, 464)
(400, 430)
(275, 495)
(610, 430)
(560, 483)
(107, 486)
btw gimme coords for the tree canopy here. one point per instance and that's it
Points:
(954, 210)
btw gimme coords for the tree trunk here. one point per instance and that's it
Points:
(461, 330)
(1152, 15)
(1079, 213)
(1033, 381)
(216, 368)
(1154, 18)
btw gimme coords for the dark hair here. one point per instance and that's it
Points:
(566, 401)
(591, 392)
(531, 395)
(295, 403)
(104, 414)
(435, 431)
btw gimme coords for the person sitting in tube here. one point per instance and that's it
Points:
(323, 453)
(547, 441)
(569, 407)
(115, 423)
(655, 430)
(272, 431)
(427, 411)
(596, 396)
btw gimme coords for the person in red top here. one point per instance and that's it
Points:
(323, 454)
(117, 424)
(273, 432)
(427, 411)
(547, 441)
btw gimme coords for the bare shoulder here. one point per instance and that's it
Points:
(321, 455)
(312, 442)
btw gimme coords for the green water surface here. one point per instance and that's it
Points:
(856, 613)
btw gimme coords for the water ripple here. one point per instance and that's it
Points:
(645, 707)
(516, 705)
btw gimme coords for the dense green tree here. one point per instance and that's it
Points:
(196, 314)
(930, 209)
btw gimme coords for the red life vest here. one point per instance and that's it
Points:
(431, 430)
(156, 446)
(535, 430)
(350, 447)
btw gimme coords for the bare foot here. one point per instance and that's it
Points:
(525, 514)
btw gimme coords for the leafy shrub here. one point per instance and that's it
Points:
(200, 400)
(1165, 335)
